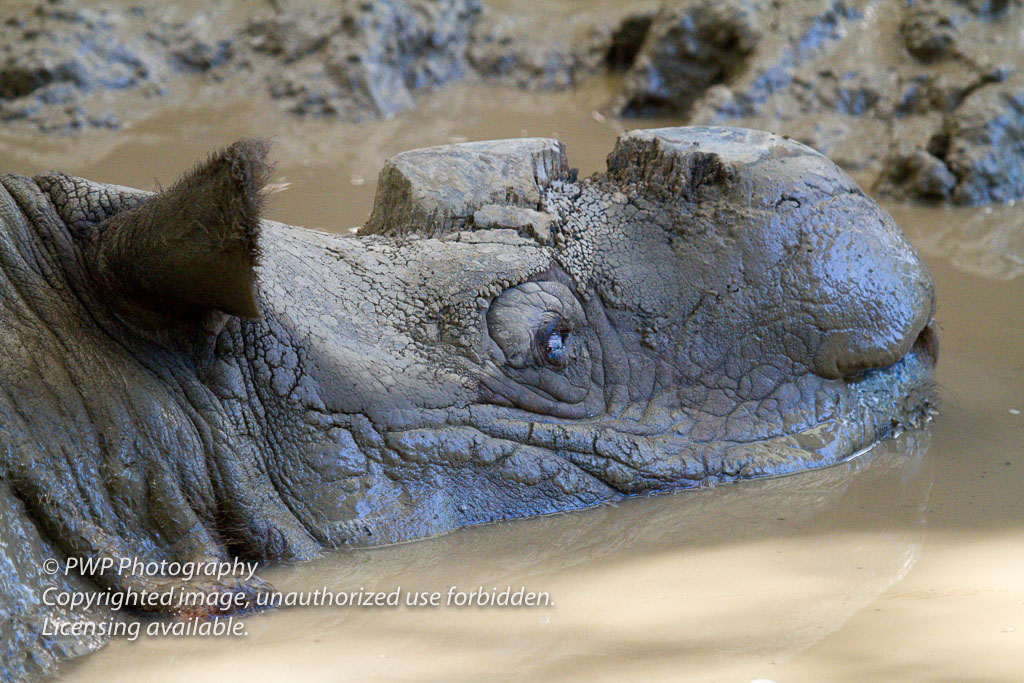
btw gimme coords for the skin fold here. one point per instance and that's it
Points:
(181, 380)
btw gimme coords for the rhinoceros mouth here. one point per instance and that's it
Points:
(869, 408)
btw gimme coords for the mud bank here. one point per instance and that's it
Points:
(61, 60)
(350, 59)
(923, 99)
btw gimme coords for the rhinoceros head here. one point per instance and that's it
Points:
(720, 304)
(501, 339)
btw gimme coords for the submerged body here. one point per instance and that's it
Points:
(183, 381)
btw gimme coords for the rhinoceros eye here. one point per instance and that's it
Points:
(542, 343)
(537, 324)
(556, 345)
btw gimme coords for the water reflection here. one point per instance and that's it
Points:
(988, 242)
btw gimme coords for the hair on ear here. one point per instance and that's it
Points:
(194, 246)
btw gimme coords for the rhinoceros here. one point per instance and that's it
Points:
(182, 380)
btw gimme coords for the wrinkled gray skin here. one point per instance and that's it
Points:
(181, 380)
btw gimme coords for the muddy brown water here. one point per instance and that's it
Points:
(904, 564)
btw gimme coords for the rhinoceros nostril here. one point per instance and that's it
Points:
(928, 342)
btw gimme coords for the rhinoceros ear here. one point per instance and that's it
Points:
(192, 247)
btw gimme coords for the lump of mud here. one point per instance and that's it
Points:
(929, 33)
(984, 144)
(505, 49)
(57, 59)
(916, 173)
(358, 59)
(537, 51)
(687, 50)
(51, 56)
(197, 45)
(750, 46)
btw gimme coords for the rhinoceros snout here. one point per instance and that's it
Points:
(813, 260)
(879, 299)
